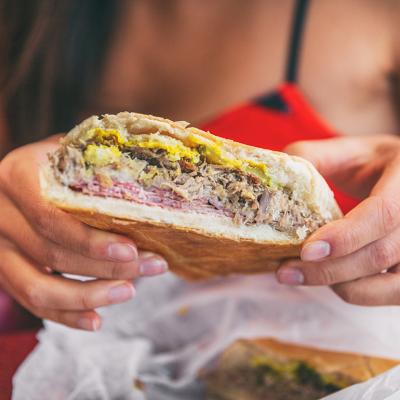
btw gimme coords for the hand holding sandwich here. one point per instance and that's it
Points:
(359, 254)
(37, 239)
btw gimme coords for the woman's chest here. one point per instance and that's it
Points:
(196, 64)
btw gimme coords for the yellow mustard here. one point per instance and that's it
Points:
(176, 150)
(214, 154)
(100, 135)
(101, 155)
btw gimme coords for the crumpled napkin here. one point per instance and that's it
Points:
(172, 329)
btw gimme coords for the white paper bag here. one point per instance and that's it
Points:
(172, 329)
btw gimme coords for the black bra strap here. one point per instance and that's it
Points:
(295, 39)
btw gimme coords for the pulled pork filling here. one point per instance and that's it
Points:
(148, 176)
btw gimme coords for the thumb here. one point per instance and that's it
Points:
(332, 156)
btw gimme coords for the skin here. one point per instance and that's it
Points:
(358, 255)
(230, 52)
(34, 236)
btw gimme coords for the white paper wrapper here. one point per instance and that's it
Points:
(172, 329)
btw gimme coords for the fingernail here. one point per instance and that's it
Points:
(315, 250)
(150, 264)
(122, 252)
(290, 276)
(96, 324)
(121, 293)
(88, 324)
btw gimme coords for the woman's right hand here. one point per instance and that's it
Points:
(37, 239)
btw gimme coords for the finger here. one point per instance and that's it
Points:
(378, 290)
(60, 259)
(331, 156)
(388, 184)
(370, 260)
(38, 290)
(20, 179)
(85, 320)
(372, 219)
(395, 269)
(148, 264)
(54, 139)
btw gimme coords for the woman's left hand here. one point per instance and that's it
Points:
(358, 255)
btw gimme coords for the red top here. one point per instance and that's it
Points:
(274, 121)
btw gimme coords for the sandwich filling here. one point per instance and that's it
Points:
(264, 377)
(158, 170)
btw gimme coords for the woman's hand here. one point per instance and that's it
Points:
(36, 239)
(358, 255)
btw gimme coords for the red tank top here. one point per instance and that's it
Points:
(279, 118)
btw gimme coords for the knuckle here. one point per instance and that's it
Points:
(383, 254)
(122, 271)
(34, 296)
(3, 177)
(88, 246)
(12, 171)
(8, 169)
(43, 223)
(53, 315)
(297, 148)
(389, 212)
(345, 240)
(59, 260)
(347, 293)
(79, 239)
(326, 275)
(115, 270)
(51, 257)
(39, 313)
(85, 300)
(8, 177)
(306, 150)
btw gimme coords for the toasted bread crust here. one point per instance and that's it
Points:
(193, 254)
(357, 366)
